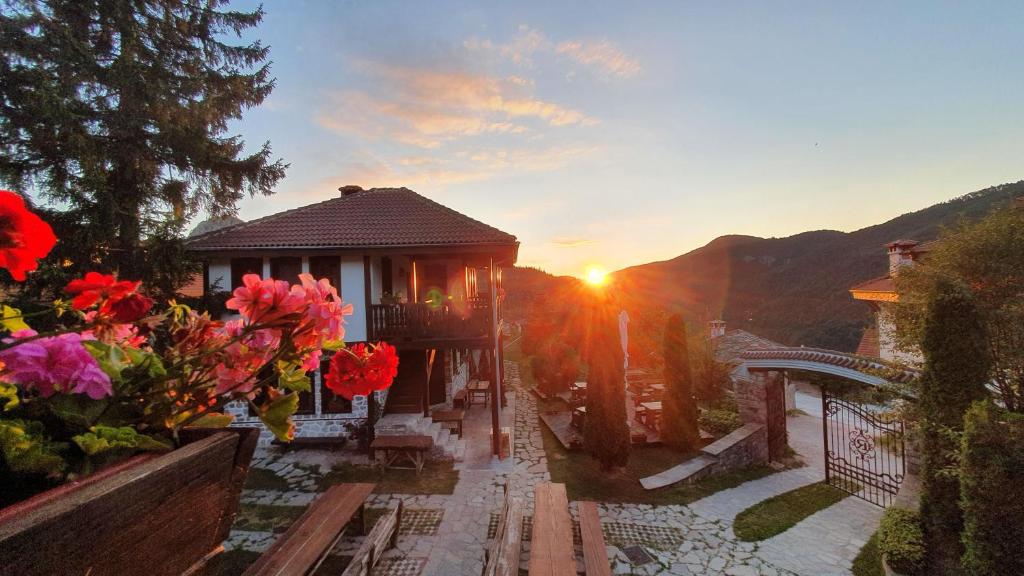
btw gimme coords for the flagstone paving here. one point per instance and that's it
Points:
(446, 534)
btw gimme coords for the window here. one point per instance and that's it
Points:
(326, 267)
(331, 403)
(286, 268)
(471, 291)
(242, 266)
(386, 283)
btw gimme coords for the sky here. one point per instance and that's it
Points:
(611, 134)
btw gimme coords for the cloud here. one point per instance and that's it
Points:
(463, 166)
(520, 50)
(605, 56)
(427, 108)
(572, 242)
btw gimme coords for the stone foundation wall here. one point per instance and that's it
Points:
(743, 447)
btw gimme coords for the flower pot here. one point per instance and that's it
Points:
(152, 514)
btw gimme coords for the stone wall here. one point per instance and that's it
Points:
(743, 447)
(751, 398)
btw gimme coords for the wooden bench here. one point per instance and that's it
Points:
(551, 551)
(455, 416)
(301, 549)
(384, 535)
(329, 442)
(595, 554)
(459, 399)
(481, 388)
(503, 554)
(414, 448)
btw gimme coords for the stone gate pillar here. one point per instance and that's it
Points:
(762, 400)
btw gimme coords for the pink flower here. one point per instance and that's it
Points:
(326, 309)
(55, 364)
(264, 300)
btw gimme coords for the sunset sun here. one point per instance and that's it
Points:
(596, 276)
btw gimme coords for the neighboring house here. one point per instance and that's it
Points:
(729, 344)
(419, 275)
(879, 338)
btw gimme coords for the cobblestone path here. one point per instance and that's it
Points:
(446, 535)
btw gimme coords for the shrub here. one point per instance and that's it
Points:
(719, 421)
(901, 540)
(555, 367)
(992, 489)
(679, 421)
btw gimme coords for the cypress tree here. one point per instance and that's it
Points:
(679, 417)
(116, 111)
(605, 430)
(956, 369)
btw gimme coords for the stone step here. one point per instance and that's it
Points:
(680, 473)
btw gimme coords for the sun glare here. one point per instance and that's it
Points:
(596, 276)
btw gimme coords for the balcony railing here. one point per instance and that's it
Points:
(463, 320)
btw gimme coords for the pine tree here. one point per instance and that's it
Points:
(116, 111)
(956, 369)
(605, 430)
(679, 418)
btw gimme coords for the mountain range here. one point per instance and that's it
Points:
(794, 290)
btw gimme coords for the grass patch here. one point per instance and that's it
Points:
(266, 517)
(584, 479)
(869, 560)
(264, 479)
(779, 513)
(436, 478)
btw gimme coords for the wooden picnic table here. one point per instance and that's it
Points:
(551, 548)
(579, 415)
(649, 413)
(413, 447)
(480, 388)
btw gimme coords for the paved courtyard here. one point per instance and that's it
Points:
(446, 535)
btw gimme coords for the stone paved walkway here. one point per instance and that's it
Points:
(447, 534)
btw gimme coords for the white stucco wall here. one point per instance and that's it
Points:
(353, 291)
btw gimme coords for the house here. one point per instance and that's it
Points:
(878, 340)
(728, 345)
(420, 276)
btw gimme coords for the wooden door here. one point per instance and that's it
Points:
(432, 283)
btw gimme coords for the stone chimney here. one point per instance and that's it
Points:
(901, 253)
(350, 190)
(716, 328)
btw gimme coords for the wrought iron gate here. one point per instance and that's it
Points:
(864, 451)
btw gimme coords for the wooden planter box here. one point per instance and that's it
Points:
(153, 514)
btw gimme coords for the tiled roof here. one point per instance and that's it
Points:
(881, 284)
(730, 345)
(833, 358)
(378, 217)
(869, 345)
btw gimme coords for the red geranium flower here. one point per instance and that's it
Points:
(96, 287)
(359, 371)
(24, 237)
(130, 308)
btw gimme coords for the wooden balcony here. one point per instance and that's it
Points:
(465, 323)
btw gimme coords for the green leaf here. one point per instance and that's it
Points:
(276, 415)
(8, 396)
(213, 420)
(152, 363)
(76, 409)
(333, 345)
(12, 320)
(292, 377)
(26, 449)
(110, 358)
(103, 438)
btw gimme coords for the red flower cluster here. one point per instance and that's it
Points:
(24, 237)
(358, 371)
(119, 299)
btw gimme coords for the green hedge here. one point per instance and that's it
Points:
(719, 421)
(992, 491)
(901, 540)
